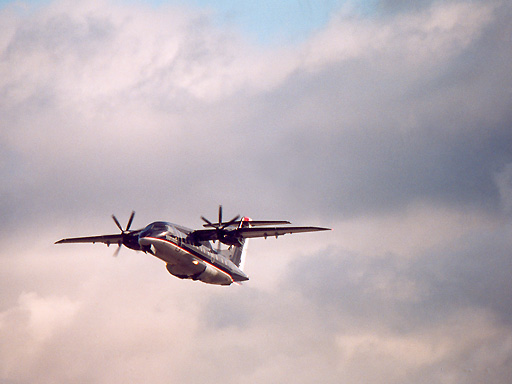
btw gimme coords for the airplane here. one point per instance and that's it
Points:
(189, 253)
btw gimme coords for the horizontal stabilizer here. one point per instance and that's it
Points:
(252, 223)
(274, 231)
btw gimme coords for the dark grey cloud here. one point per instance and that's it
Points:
(473, 273)
(374, 135)
(469, 272)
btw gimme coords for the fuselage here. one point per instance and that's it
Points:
(185, 257)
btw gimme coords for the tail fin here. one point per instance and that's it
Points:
(238, 255)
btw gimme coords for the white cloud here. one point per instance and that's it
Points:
(436, 33)
(46, 314)
(26, 328)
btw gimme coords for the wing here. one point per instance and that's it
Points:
(106, 239)
(213, 234)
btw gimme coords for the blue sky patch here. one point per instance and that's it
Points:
(267, 22)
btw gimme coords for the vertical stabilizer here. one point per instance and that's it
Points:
(238, 255)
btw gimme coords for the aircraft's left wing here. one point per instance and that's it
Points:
(106, 239)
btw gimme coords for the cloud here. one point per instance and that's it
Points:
(393, 128)
(504, 183)
(391, 116)
(466, 271)
(154, 95)
(425, 317)
(26, 328)
(438, 33)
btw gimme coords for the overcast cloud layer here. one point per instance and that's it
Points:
(393, 127)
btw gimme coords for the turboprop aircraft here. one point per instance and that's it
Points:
(189, 253)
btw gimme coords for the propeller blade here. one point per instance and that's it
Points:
(232, 221)
(130, 221)
(117, 223)
(207, 221)
(116, 252)
(220, 226)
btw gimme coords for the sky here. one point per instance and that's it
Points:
(267, 22)
(390, 123)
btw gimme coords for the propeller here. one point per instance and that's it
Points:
(220, 225)
(124, 232)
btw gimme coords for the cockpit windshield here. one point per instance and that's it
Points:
(156, 229)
